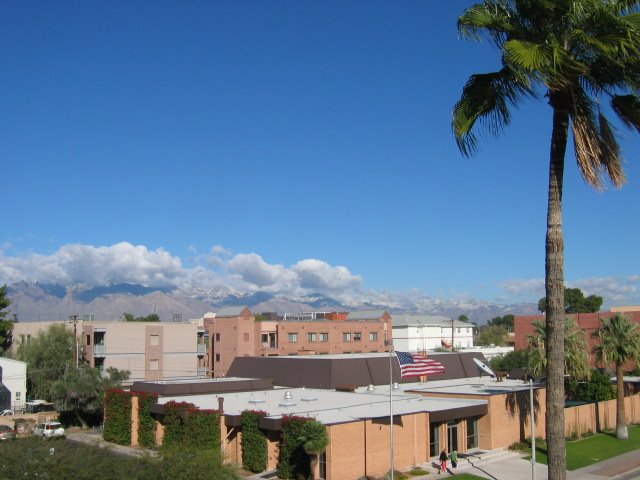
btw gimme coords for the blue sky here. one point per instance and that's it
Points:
(281, 145)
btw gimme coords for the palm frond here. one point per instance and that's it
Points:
(530, 56)
(597, 150)
(611, 158)
(487, 97)
(627, 107)
(489, 18)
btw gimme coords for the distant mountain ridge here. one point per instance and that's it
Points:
(46, 302)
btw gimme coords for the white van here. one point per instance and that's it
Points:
(49, 429)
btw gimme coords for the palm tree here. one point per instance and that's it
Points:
(577, 53)
(576, 356)
(314, 440)
(618, 343)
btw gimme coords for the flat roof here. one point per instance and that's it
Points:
(470, 386)
(329, 406)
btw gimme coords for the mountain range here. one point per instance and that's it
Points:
(45, 302)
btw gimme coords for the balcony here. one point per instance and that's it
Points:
(99, 350)
(202, 349)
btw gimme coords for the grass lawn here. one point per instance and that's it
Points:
(587, 451)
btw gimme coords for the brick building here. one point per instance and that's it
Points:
(587, 322)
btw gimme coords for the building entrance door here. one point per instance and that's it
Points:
(452, 437)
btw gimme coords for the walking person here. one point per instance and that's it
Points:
(454, 459)
(443, 461)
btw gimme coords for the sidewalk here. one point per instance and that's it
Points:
(510, 465)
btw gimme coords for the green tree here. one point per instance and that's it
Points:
(463, 318)
(48, 355)
(618, 343)
(505, 321)
(510, 361)
(576, 358)
(577, 54)
(314, 440)
(492, 335)
(575, 302)
(6, 326)
(81, 390)
(129, 317)
(597, 388)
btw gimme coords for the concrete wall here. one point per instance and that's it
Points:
(430, 337)
(594, 417)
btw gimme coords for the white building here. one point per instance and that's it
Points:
(417, 333)
(13, 376)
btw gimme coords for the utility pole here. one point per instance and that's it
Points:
(74, 319)
(452, 336)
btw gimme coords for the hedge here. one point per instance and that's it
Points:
(146, 423)
(293, 462)
(117, 417)
(254, 441)
(186, 425)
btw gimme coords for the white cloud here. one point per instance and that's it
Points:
(533, 287)
(318, 275)
(127, 263)
(613, 289)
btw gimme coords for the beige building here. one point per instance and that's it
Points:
(148, 350)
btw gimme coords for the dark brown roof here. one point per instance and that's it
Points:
(203, 386)
(336, 371)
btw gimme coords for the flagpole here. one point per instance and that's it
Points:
(391, 405)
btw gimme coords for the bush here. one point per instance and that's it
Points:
(254, 442)
(173, 419)
(117, 417)
(416, 471)
(293, 462)
(146, 423)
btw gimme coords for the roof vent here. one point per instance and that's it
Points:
(287, 395)
(370, 389)
(395, 386)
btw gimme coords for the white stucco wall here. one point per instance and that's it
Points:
(14, 377)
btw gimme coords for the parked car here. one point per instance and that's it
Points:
(4, 413)
(7, 433)
(49, 430)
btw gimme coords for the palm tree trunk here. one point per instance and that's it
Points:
(621, 418)
(313, 462)
(554, 286)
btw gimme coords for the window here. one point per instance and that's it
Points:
(357, 336)
(293, 337)
(217, 357)
(153, 364)
(154, 340)
(217, 337)
(324, 337)
(373, 336)
(246, 337)
(458, 329)
(265, 338)
(472, 432)
(88, 339)
(346, 337)
(18, 395)
(311, 337)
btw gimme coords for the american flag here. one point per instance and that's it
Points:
(416, 364)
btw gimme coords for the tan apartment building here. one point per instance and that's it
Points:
(148, 350)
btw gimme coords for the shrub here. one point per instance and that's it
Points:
(174, 413)
(416, 471)
(146, 423)
(203, 427)
(254, 442)
(117, 417)
(292, 461)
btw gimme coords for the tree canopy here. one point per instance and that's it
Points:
(575, 302)
(6, 326)
(618, 343)
(579, 56)
(129, 317)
